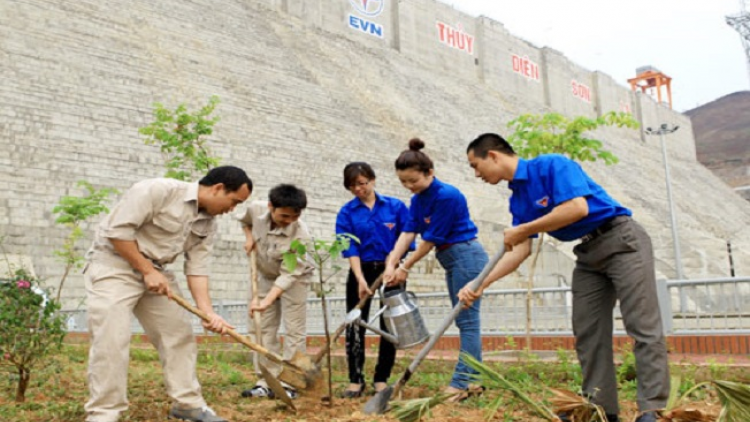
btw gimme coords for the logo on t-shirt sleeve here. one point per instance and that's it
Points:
(543, 202)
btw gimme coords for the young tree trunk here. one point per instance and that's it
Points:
(328, 339)
(62, 280)
(23, 382)
(529, 295)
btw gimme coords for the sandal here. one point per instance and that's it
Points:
(353, 394)
(379, 386)
(475, 390)
(455, 395)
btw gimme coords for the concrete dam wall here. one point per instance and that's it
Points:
(305, 88)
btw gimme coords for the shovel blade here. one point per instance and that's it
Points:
(312, 373)
(378, 404)
(275, 385)
(303, 362)
(294, 379)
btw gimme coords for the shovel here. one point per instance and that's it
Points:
(378, 404)
(327, 348)
(278, 390)
(296, 376)
(273, 383)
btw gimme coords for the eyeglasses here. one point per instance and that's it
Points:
(359, 184)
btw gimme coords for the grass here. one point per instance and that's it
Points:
(58, 390)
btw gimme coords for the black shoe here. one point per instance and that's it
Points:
(647, 417)
(610, 418)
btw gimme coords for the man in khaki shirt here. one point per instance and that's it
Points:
(154, 222)
(270, 228)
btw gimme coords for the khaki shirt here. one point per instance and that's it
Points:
(162, 216)
(270, 245)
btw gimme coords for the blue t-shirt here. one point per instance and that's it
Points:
(377, 229)
(440, 215)
(542, 183)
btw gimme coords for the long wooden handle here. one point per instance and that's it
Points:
(235, 335)
(322, 352)
(254, 294)
(473, 285)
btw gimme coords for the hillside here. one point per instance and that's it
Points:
(722, 137)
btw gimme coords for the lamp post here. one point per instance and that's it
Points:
(665, 129)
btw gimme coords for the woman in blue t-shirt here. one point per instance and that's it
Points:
(440, 215)
(377, 222)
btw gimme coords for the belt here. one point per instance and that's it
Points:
(445, 246)
(604, 227)
(373, 264)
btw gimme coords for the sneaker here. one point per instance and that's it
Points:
(258, 391)
(291, 392)
(200, 414)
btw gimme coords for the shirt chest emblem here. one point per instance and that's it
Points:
(427, 220)
(543, 202)
(390, 225)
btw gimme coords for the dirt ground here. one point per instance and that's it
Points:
(58, 391)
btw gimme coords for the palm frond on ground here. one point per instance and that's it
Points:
(414, 410)
(576, 407)
(735, 400)
(491, 379)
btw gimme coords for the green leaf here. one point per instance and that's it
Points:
(290, 261)
(535, 135)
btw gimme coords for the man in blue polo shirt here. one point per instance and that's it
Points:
(553, 194)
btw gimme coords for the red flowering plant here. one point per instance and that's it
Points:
(30, 326)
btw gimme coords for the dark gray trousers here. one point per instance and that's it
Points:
(619, 265)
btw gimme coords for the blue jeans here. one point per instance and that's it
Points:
(462, 263)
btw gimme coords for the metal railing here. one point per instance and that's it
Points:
(710, 306)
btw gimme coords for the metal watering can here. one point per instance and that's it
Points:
(401, 315)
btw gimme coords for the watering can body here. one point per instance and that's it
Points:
(403, 319)
(406, 328)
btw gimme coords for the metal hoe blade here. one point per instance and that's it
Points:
(378, 404)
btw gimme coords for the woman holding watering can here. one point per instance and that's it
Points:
(440, 215)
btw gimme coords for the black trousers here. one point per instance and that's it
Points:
(355, 335)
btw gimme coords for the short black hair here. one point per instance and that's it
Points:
(286, 195)
(358, 168)
(489, 142)
(232, 177)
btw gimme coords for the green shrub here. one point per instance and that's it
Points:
(30, 327)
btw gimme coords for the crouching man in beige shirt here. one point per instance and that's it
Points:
(126, 273)
(270, 228)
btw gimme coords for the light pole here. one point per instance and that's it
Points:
(665, 129)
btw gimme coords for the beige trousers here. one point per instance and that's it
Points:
(114, 295)
(291, 307)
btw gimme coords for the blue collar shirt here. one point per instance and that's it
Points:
(377, 229)
(542, 183)
(440, 215)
